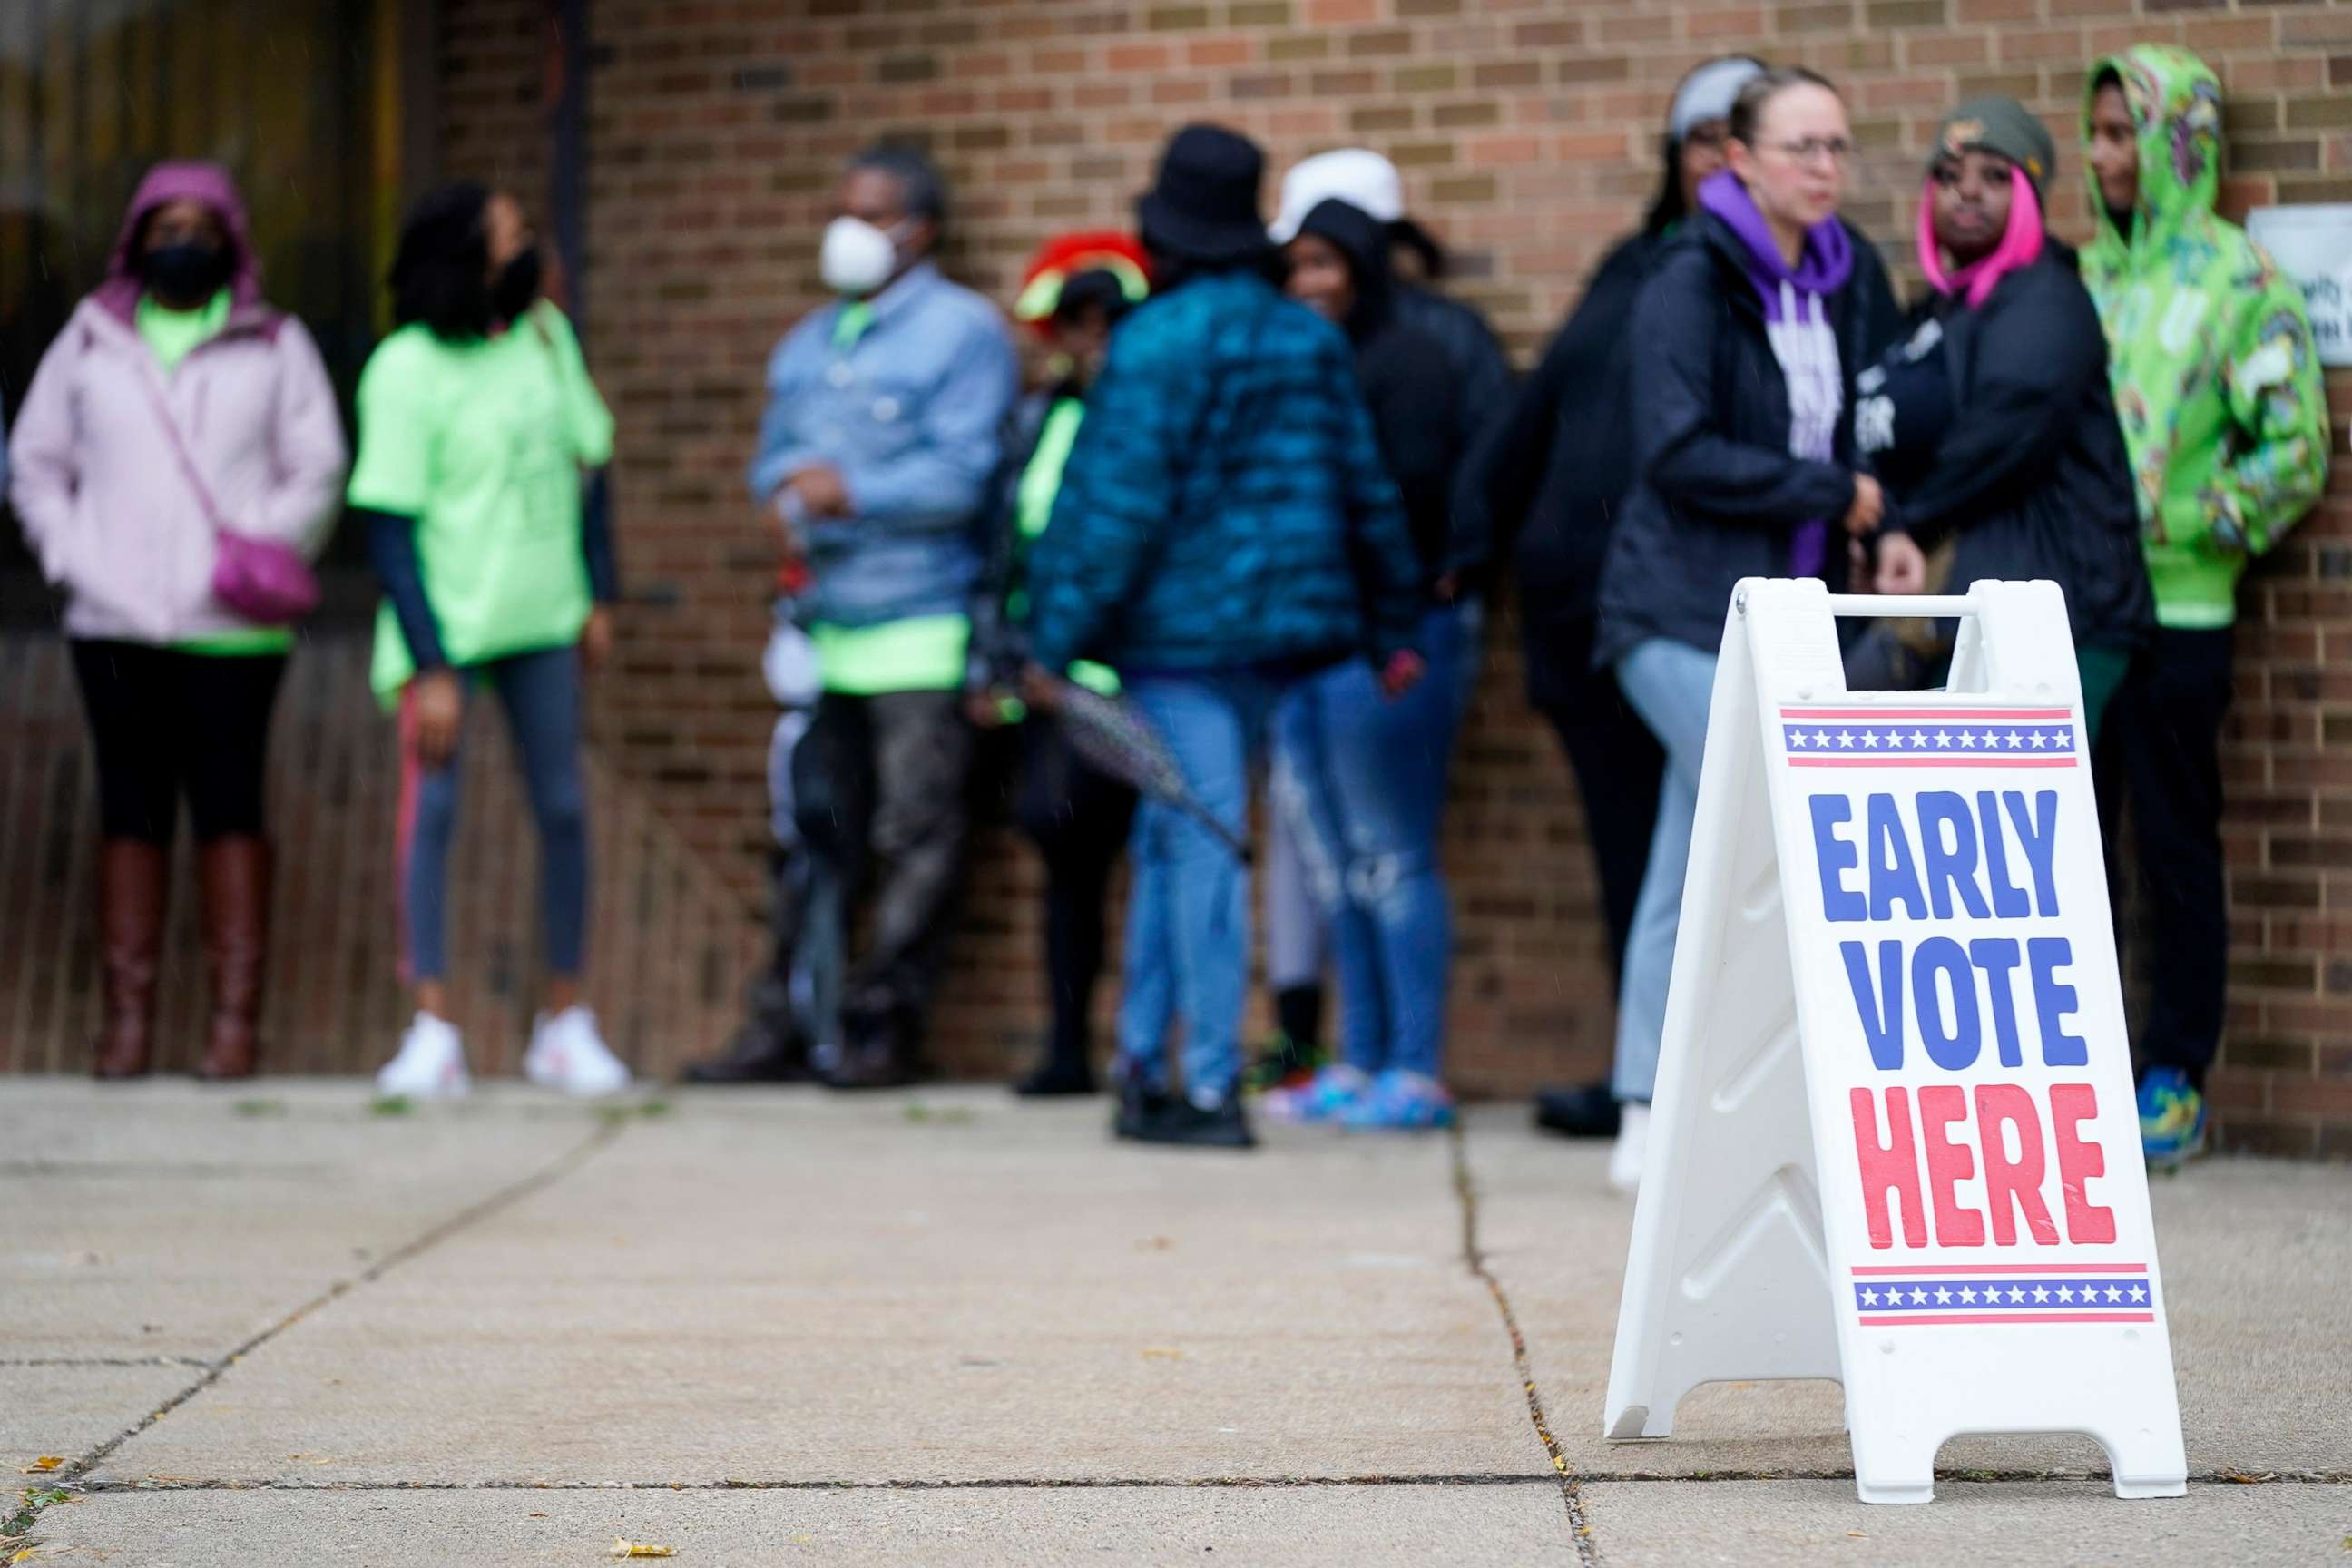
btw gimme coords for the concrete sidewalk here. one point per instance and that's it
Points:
(272, 1326)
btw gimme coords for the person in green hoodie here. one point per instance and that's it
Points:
(2218, 389)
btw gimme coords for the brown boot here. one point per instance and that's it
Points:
(131, 886)
(236, 942)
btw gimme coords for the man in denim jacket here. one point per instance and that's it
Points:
(880, 435)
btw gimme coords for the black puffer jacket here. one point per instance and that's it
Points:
(1718, 496)
(2031, 475)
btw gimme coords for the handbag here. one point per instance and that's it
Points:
(262, 580)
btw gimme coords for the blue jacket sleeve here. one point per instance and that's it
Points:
(596, 540)
(392, 545)
(784, 451)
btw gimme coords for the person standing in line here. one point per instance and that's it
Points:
(1991, 425)
(1297, 953)
(883, 428)
(481, 479)
(1297, 947)
(1746, 339)
(177, 406)
(2225, 416)
(1362, 776)
(1554, 476)
(773, 1043)
(1075, 290)
(1371, 184)
(1224, 530)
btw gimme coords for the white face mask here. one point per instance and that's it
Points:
(857, 258)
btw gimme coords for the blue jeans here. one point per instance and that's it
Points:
(541, 694)
(1671, 685)
(1362, 781)
(1188, 924)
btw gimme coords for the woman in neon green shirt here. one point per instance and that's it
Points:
(481, 442)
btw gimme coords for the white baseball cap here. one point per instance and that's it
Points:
(1356, 175)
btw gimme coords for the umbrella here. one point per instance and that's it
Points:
(1119, 741)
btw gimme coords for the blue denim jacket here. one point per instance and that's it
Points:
(910, 415)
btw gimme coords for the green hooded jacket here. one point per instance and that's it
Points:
(2217, 381)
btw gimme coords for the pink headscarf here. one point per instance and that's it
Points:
(2021, 244)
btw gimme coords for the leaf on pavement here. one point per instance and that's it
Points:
(623, 1547)
(42, 1466)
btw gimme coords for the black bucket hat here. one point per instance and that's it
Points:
(1204, 206)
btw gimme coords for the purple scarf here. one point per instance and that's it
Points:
(1796, 320)
(1822, 268)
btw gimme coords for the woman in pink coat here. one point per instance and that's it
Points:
(175, 405)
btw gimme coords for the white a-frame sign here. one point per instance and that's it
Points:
(1895, 1141)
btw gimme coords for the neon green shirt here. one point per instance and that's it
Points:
(927, 653)
(923, 653)
(483, 442)
(1040, 481)
(172, 336)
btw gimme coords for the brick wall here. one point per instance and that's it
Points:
(669, 945)
(1527, 130)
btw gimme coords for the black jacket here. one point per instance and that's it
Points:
(1717, 497)
(1555, 472)
(1410, 382)
(1483, 381)
(2032, 474)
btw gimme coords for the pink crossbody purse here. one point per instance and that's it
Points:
(260, 579)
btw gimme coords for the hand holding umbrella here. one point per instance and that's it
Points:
(1119, 741)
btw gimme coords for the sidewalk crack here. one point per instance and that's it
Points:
(1465, 1192)
(952, 1484)
(513, 1193)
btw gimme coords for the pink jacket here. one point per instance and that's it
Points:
(105, 503)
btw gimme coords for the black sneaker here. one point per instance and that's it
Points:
(1140, 1108)
(1187, 1125)
(1587, 1111)
(1053, 1081)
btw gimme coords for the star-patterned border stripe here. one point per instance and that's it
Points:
(1929, 737)
(2004, 1293)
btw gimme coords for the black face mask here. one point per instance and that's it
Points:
(188, 271)
(516, 286)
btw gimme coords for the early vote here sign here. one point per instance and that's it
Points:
(1971, 1034)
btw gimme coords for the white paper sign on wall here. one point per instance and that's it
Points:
(2313, 245)
(1894, 1142)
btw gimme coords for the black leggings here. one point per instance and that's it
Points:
(1078, 819)
(162, 721)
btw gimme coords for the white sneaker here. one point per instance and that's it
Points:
(1632, 1146)
(568, 1053)
(431, 1064)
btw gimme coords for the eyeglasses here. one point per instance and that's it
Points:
(1815, 149)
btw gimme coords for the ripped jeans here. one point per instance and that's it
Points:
(1362, 781)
